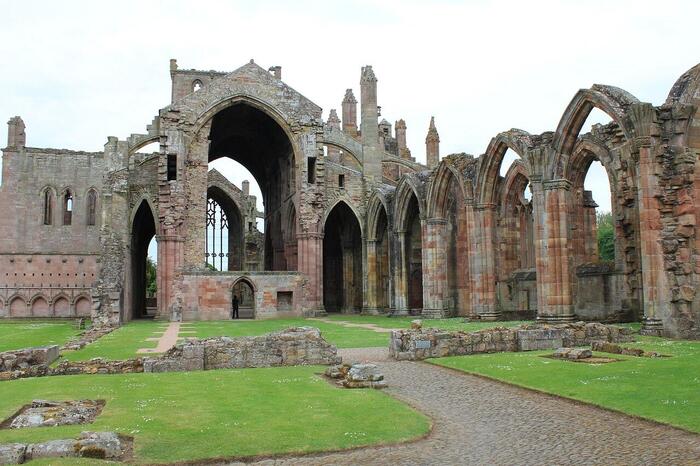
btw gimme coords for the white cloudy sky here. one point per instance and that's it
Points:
(79, 71)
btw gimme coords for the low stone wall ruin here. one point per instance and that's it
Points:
(98, 445)
(26, 358)
(434, 343)
(290, 347)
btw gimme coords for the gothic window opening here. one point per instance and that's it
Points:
(91, 207)
(48, 206)
(196, 85)
(67, 208)
(172, 167)
(312, 170)
(217, 226)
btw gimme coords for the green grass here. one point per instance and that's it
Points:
(342, 337)
(19, 334)
(121, 343)
(224, 413)
(454, 323)
(663, 389)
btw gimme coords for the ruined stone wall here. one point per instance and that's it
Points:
(207, 295)
(48, 270)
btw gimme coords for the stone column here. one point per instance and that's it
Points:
(310, 261)
(555, 301)
(657, 296)
(435, 268)
(371, 304)
(170, 261)
(485, 304)
(590, 229)
(400, 274)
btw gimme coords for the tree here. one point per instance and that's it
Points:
(606, 236)
(151, 286)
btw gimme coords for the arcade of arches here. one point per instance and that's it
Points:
(352, 222)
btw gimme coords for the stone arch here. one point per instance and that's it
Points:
(515, 232)
(345, 149)
(61, 305)
(82, 305)
(408, 186)
(92, 199)
(378, 254)
(40, 306)
(344, 199)
(518, 141)
(18, 306)
(611, 100)
(48, 204)
(143, 142)
(143, 227)
(342, 259)
(686, 91)
(245, 289)
(438, 189)
(235, 249)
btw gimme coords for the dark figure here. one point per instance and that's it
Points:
(235, 307)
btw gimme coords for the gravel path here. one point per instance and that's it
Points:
(478, 421)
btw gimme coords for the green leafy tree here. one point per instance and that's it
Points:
(151, 286)
(606, 236)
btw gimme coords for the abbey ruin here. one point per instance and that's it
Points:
(352, 223)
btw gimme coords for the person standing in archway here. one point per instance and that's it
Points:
(235, 307)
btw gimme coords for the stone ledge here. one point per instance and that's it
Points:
(434, 343)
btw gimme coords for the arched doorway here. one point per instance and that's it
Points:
(143, 230)
(342, 261)
(244, 293)
(254, 139)
(414, 256)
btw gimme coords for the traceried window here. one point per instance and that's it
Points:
(196, 85)
(48, 206)
(67, 208)
(91, 207)
(217, 249)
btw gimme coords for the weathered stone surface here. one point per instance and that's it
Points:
(435, 343)
(290, 347)
(98, 445)
(42, 413)
(572, 353)
(23, 359)
(12, 453)
(357, 375)
(607, 347)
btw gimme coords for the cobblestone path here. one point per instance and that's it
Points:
(478, 421)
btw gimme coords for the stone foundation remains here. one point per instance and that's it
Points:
(290, 347)
(26, 358)
(42, 413)
(98, 445)
(607, 347)
(434, 343)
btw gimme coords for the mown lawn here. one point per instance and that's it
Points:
(121, 343)
(17, 334)
(453, 323)
(224, 413)
(663, 389)
(342, 337)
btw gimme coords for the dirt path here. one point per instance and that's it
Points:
(166, 341)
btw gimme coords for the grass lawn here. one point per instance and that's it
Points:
(453, 323)
(342, 337)
(121, 343)
(17, 334)
(206, 414)
(663, 389)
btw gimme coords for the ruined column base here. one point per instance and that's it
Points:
(556, 319)
(652, 327)
(490, 316)
(399, 312)
(435, 313)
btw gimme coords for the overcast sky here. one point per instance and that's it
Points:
(78, 72)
